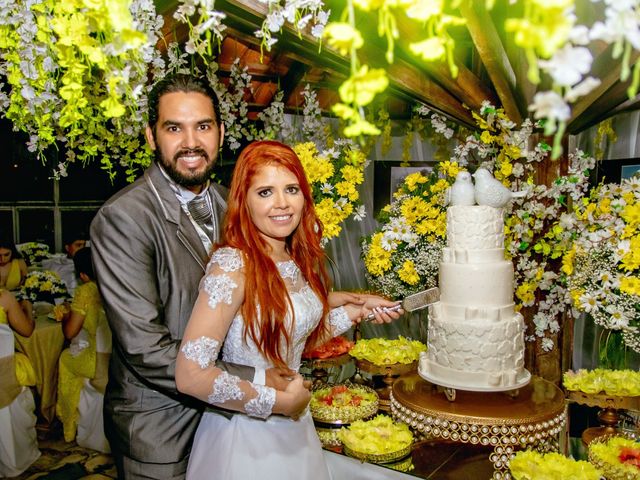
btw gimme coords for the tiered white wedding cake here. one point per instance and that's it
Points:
(475, 338)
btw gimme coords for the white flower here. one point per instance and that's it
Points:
(568, 64)
(388, 244)
(360, 213)
(581, 89)
(588, 302)
(547, 344)
(326, 188)
(550, 105)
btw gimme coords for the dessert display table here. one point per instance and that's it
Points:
(533, 416)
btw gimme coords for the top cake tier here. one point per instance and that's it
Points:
(476, 227)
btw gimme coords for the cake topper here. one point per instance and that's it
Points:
(489, 191)
(462, 191)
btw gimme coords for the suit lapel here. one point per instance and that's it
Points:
(172, 211)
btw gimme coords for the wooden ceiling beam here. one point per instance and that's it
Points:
(493, 56)
(608, 72)
(600, 108)
(406, 80)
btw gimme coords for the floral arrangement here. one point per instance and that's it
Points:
(383, 351)
(402, 257)
(43, 286)
(378, 436)
(75, 72)
(532, 465)
(343, 403)
(334, 175)
(603, 266)
(617, 457)
(34, 252)
(619, 383)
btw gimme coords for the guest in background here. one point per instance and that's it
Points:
(63, 264)
(13, 268)
(12, 314)
(78, 362)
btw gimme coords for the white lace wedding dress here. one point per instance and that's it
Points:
(277, 448)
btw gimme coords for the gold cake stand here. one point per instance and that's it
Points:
(608, 415)
(532, 418)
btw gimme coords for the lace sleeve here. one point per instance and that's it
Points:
(339, 321)
(221, 296)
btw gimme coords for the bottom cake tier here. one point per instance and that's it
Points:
(476, 355)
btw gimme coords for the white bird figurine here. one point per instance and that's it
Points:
(462, 191)
(491, 192)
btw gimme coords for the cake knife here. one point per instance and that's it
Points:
(414, 302)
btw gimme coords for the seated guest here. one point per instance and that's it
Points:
(12, 314)
(13, 268)
(78, 362)
(63, 264)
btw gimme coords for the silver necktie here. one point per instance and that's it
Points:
(201, 213)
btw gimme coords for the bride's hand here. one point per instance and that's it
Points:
(295, 398)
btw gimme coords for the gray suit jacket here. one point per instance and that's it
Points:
(149, 261)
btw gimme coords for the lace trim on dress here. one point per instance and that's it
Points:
(229, 259)
(204, 351)
(289, 270)
(225, 387)
(339, 320)
(219, 288)
(261, 405)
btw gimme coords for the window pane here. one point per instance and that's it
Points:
(6, 223)
(75, 223)
(89, 182)
(36, 225)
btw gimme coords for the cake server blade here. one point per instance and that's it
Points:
(414, 302)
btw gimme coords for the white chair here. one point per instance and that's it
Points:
(18, 438)
(90, 432)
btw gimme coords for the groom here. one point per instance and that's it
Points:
(150, 248)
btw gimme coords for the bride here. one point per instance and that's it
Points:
(264, 299)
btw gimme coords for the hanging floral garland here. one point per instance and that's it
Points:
(76, 73)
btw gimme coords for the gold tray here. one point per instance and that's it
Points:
(378, 457)
(389, 369)
(611, 472)
(344, 415)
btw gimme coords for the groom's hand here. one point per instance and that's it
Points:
(279, 378)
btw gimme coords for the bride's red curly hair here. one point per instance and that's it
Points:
(263, 285)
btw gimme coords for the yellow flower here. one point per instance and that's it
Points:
(361, 88)
(450, 169)
(630, 285)
(413, 179)
(430, 49)
(486, 137)
(506, 168)
(413, 209)
(347, 189)
(378, 260)
(408, 274)
(631, 214)
(343, 37)
(352, 174)
(525, 292)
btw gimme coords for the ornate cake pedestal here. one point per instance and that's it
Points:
(533, 418)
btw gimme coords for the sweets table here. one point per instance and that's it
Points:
(532, 417)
